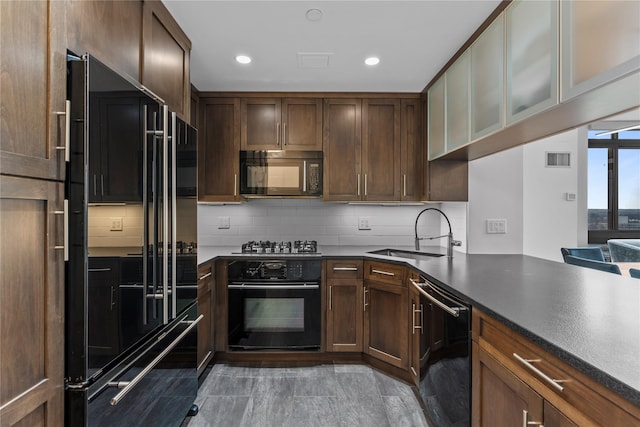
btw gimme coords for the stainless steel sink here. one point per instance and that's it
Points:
(399, 253)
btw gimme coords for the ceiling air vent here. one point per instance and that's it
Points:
(313, 60)
(558, 159)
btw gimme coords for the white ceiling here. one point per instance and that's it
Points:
(414, 40)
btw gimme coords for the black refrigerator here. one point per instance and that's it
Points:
(131, 315)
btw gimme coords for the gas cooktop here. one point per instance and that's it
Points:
(268, 247)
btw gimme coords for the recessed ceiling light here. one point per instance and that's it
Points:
(372, 60)
(243, 59)
(314, 15)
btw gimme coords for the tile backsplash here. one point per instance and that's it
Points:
(311, 219)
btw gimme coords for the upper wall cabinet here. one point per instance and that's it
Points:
(411, 152)
(600, 43)
(281, 124)
(166, 54)
(532, 58)
(33, 58)
(487, 82)
(436, 119)
(457, 103)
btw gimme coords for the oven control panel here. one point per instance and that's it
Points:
(284, 270)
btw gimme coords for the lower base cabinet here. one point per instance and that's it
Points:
(344, 305)
(515, 382)
(206, 288)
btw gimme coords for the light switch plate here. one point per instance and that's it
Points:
(363, 223)
(224, 222)
(116, 224)
(496, 226)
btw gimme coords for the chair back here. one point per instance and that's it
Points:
(634, 272)
(597, 265)
(588, 252)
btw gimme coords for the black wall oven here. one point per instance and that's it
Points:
(274, 304)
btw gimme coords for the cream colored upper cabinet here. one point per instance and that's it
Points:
(600, 43)
(457, 103)
(487, 82)
(436, 123)
(532, 58)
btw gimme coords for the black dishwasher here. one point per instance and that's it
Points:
(445, 372)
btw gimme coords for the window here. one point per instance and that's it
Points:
(614, 186)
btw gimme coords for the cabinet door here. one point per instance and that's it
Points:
(31, 302)
(103, 303)
(554, 418)
(411, 153)
(342, 145)
(219, 150)
(500, 399)
(487, 59)
(344, 315)
(33, 83)
(590, 29)
(381, 149)
(386, 323)
(166, 56)
(206, 287)
(457, 103)
(260, 129)
(532, 58)
(416, 326)
(435, 121)
(115, 154)
(302, 124)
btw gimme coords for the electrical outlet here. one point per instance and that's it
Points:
(496, 226)
(363, 223)
(116, 224)
(224, 222)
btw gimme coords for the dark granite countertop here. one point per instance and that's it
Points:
(589, 318)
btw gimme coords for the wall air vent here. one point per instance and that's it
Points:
(557, 159)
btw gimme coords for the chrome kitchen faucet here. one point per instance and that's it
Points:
(450, 243)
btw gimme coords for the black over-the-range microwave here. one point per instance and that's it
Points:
(281, 173)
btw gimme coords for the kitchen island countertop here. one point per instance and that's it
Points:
(588, 318)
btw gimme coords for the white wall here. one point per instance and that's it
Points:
(549, 220)
(495, 192)
(300, 219)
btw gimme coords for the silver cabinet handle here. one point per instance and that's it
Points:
(284, 134)
(345, 268)
(330, 297)
(95, 185)
(301, 286)
(113, 300)
(358, 184)
(65, 231)
(235, 184)
(98, 270)
(102, 185)
(67, 129)
(205, 276)
(384, 273)
(404, 185)
(528, 363)
(525, 418)
(129, 385)
(278, 134)
(455, 312)
(365, 184)
(414, 311)
(364, 299)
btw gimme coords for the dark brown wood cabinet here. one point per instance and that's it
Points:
(166, 56)
(342, 141)
(219, 150)
(411, 150)
(344, 325)
(103, 302)
(33, 58)
(385, 313)
(504, 385)
(206, 289)
(416, 329)
(281, 124)
(31, 301)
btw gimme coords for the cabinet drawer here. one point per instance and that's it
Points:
(581, 399)
(384, 272)
(344, 269)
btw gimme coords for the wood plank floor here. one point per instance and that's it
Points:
(254, 395)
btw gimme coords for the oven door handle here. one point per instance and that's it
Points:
(267, 285)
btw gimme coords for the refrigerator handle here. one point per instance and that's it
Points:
(145, 210)
(174, 139)
(165, 213)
